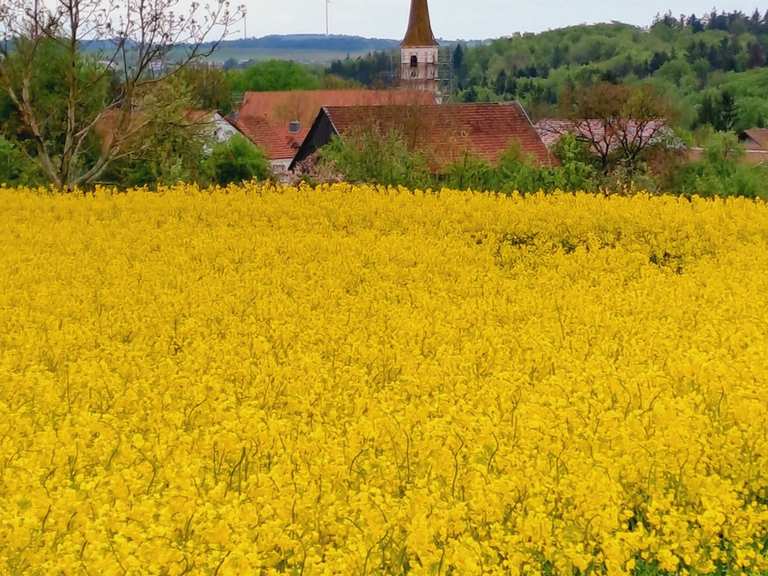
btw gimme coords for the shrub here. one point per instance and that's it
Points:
(235, 161)
(470, 173)
(16, 169)
(517, 172)
(374, 156)
(721, 172)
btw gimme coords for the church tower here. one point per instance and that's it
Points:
(419, 51)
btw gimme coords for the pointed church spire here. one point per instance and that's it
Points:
(419, 28)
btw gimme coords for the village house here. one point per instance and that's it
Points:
(755, 139)
(443, 133)
(277, 122)
(755, 142)
(218, 126)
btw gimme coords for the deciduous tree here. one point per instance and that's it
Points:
(617, 121)
(138, 44)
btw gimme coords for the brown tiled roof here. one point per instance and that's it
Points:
(552, 129)
(276, 142)
(419, 27)
(303, 105)
(760, 136)
(447, 132)
(264, 116)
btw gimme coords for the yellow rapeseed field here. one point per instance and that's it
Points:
(346, 380)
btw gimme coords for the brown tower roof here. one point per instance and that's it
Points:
(419, 28)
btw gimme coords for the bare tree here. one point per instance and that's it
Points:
(137, 39)
(617, 122)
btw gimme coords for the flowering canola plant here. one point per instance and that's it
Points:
(349, 380)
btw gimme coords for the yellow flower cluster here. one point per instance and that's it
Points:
(346, 380)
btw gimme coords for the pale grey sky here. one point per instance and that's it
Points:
(467, 19)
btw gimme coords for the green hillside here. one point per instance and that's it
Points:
(713, 67)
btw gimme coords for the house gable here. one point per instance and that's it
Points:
(443, 133)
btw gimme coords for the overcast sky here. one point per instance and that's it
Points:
(467, 19)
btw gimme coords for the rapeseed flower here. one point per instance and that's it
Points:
(352, 380)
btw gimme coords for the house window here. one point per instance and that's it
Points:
(414, 61)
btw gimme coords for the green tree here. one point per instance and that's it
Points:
(16, 168)
(61, 97)
(168, 146)
(470, 173)
(721, 172)
(373, 155)
(210, 87)
(236, 160)
(727, 111)
(274, 75)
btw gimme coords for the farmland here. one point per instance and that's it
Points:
(349, 380)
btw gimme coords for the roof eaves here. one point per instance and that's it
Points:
(310, 133)
(324, 110)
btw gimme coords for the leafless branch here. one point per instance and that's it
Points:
(150, 41)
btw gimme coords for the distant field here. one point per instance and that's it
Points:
(308, 56)
(304, 48)
(349, 380)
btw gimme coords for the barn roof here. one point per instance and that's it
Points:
(759, 136)
(419, 31)
(445, 133)
(264, 116)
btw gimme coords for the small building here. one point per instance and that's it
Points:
(754, 139)
(419, 51)
(755, 144)
(277, 122)
(221, 129)
(443, 133)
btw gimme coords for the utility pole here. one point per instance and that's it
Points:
(327, 7)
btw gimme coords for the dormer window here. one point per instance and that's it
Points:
(414, 61)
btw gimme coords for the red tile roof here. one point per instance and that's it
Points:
(447, 132)
(264, 116)
(276, 142)
(759, 136)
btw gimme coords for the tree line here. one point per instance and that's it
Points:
(713, 66)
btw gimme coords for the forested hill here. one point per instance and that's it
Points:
(304, 48)
(713, 67)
